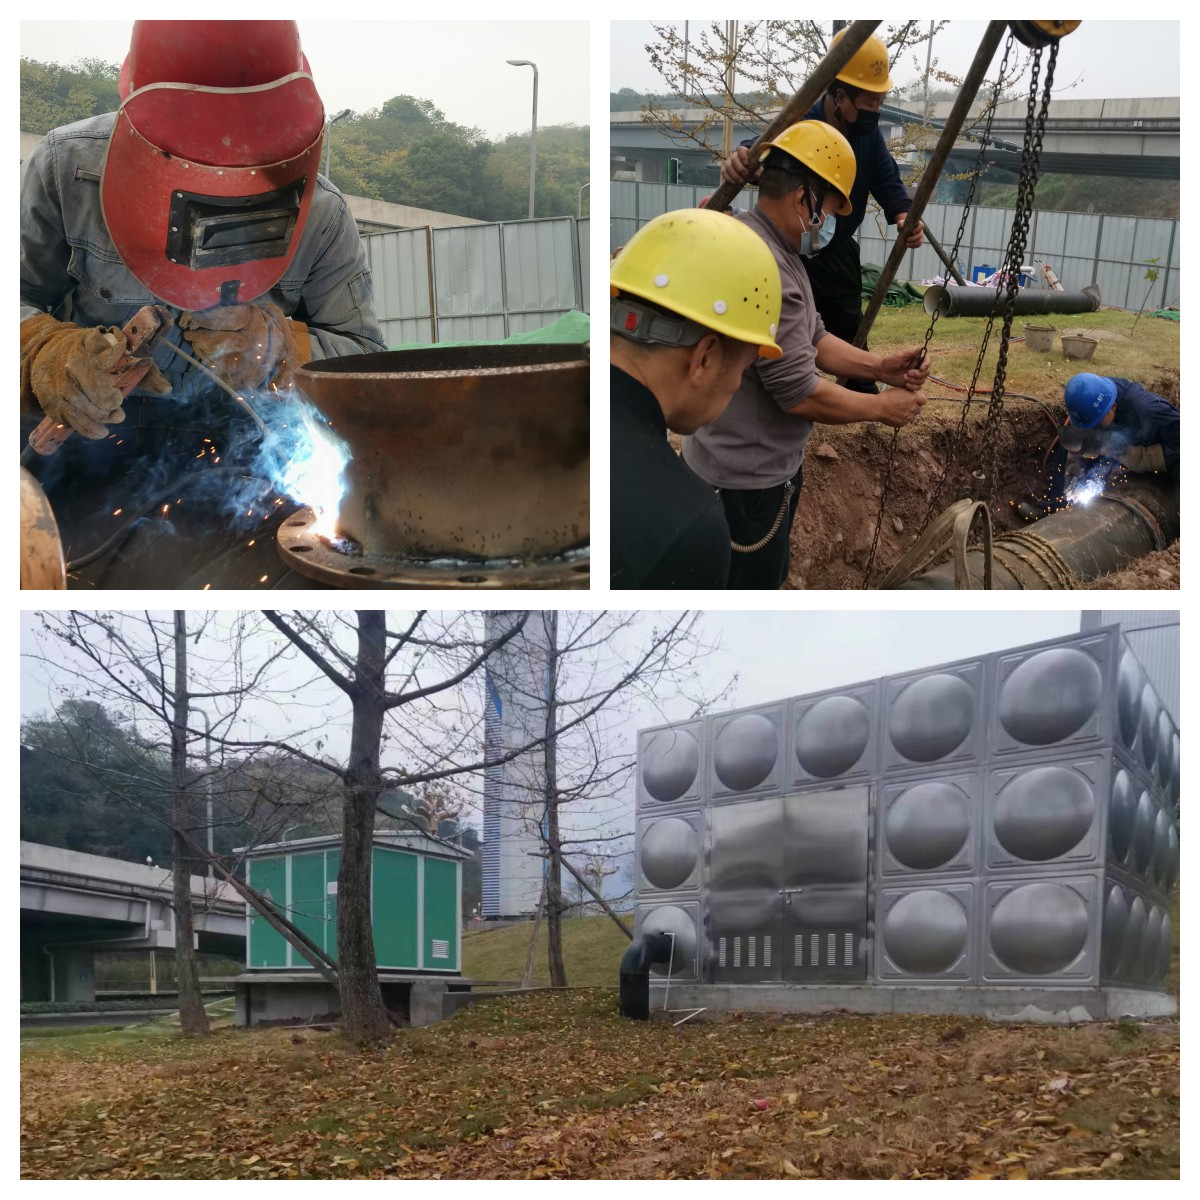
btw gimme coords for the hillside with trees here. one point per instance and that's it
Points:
(404, 152)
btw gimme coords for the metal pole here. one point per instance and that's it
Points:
(579, 216)
(954, 123)
(730, 83)
(208, 788)
(329, 136)
(524, 62)
(928, 63)
(803, 100)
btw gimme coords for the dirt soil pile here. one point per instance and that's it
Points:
(844, 469)
(1158, 571)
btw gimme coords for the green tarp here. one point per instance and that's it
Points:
(570, 329)
(898, 294)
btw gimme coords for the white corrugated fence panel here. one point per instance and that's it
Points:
(399, 273)
(539, 265)
(468, 272)
(472, 329)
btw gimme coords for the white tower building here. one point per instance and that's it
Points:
(513, 803)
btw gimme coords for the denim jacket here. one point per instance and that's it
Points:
(71, 269)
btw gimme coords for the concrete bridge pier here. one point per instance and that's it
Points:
(60, 973)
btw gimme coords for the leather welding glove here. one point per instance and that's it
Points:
(1142, 458)
(66, 372)
(248, 345)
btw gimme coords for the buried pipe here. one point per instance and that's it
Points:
(1076, 544)
(950, 301)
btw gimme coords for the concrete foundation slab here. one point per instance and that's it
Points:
(270, 997)
(1052, 1006)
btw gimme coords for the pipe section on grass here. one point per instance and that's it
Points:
(951, 301)
(1107, 535)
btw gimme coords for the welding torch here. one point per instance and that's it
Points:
(144, 332)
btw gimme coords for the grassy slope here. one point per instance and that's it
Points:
(592, 949)
(1147, 356)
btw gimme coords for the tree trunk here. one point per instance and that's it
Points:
(192, 1017)
(554, 897)
(364, 1017)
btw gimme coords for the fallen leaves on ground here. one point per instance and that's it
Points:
(558, 1086)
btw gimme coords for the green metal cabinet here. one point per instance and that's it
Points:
(416, 884)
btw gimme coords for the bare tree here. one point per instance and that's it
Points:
(140, 664)
(596, 666)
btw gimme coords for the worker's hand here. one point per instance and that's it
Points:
(899, 407)
(737, 169)
(1142, 458)
(908, 368)
(916, 237)
(248, 345)
(67, 371)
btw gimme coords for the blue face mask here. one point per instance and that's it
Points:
(823, 236)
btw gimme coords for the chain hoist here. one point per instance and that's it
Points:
(984, 477)
(976, 175)
(1031, 152)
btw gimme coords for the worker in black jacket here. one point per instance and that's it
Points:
(851, 105)
(695, 299)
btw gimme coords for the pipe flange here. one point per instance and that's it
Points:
(313, 556)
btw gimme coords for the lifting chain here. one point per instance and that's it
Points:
(976, 175)
(1031, 151)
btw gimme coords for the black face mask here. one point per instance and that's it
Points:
(864, 123)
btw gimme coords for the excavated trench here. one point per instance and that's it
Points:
(844, 475)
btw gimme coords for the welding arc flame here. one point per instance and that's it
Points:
(308, 466)
(1085, 491)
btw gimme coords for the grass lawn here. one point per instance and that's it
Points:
(1149, 354)
(592, 949)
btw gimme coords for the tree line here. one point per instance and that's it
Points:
(405, 151)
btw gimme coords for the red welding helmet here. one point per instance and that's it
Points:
(211, 167)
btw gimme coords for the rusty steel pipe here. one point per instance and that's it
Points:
(462, 451)
(1087, 541)
(950, 301)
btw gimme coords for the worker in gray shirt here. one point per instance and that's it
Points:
(754, 452)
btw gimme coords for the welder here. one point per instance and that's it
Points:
(754, 452)
(851, 105)
(695, 300)
(1118, 422)
(200, 193)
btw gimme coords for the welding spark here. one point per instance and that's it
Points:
(1084, 493)
(206, 587)
(117, 512)
(263, 579)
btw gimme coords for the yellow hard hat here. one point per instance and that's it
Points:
(868, 66)
(706, 267)
(824, 151)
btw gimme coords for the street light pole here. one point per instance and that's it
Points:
(329, 136)
(524, 62)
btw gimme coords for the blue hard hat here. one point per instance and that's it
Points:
(1088, 398)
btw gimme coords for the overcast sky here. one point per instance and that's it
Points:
(459, 65)
(1104, 59)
